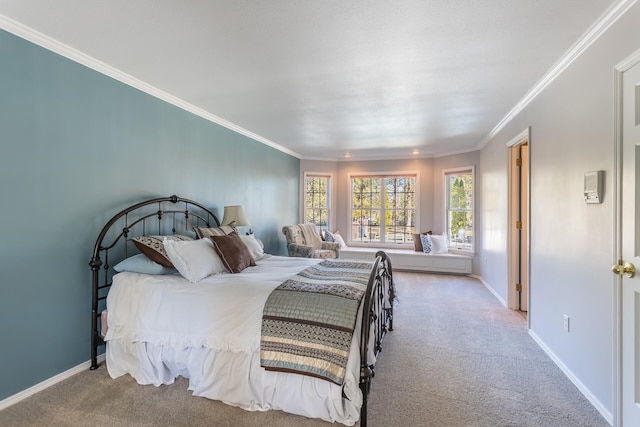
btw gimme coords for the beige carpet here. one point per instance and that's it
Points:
(455, 358)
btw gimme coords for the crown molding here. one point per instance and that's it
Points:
(606, 20)
(42, 40)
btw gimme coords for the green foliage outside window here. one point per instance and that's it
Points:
(397, 212)
(460, 208)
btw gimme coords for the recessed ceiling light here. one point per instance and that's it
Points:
(347, 155)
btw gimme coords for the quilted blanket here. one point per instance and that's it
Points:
(309, 320)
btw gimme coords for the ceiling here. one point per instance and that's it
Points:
(318, 79)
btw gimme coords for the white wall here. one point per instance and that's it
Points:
(571, 243)
(491, 261)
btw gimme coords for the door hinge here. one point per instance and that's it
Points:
(519, 287)
(519, 225)
(519, 162)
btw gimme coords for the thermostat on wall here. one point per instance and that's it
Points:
(593, 187)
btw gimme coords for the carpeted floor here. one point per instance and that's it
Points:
(459, 358)
(455, 358)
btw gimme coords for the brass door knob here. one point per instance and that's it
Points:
(627, 270)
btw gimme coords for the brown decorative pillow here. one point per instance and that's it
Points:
(153, 248)
(223, 230)
(234, 253)
(417, 243)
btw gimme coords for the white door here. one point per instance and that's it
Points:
(630, 235)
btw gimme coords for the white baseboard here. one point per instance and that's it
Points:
(608, 416)
(12, 400)
(486, 285)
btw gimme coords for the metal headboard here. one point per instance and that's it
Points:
(172, 215)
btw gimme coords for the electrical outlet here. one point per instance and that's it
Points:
(566, 323)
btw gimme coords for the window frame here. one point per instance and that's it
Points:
(382, 175)
(330, 197)
(446, 202)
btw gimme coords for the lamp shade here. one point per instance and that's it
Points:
(235, 213)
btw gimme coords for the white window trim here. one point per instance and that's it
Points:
(445, 203)
(332, 197)
(381, 245)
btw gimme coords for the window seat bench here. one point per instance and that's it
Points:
(410, 260)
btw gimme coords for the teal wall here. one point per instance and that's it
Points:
(76, 148)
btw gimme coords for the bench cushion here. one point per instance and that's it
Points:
(409, 260)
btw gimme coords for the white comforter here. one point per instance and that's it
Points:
(163, 326)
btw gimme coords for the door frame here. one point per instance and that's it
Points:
(522, 138)
(619, 70)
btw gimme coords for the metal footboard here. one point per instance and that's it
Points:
(377, 319)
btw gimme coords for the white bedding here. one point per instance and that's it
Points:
(161, 327)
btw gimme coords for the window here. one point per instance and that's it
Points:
(383, 208)
(458, 190)
(317, 197)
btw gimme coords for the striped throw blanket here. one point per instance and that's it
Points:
(309, 320)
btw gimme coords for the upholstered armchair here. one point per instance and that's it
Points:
(303, 240)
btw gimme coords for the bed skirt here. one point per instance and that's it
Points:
(237, 379)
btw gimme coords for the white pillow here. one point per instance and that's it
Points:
(194, 259)
(439, 244)
(254, 245)
(338, 238)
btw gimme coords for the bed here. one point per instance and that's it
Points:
(223, 331)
